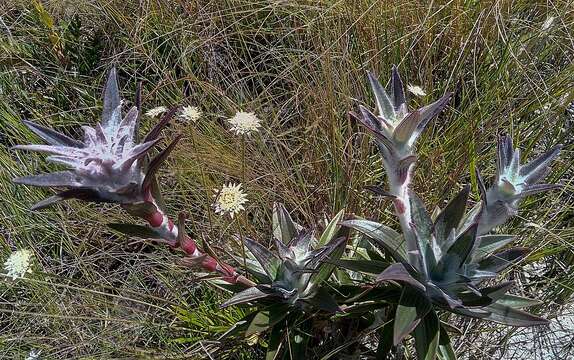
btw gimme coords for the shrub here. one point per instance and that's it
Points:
(314, 292)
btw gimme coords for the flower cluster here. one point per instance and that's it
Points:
(190, 113)
(157, 111)
(230, 199)
(106, 166)
(245, 123)
(416, 90)
(18, 264)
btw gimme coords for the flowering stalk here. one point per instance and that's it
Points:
(110, 165)
(176, 237)
(396, 131)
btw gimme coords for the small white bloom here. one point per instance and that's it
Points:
(244, 123)
(548, 23)
(34, 355)
(157, 111)
(190, 113)
(18, 264)
(230, 199)
(416, 90)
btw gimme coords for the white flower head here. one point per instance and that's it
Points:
(34, 355)
(244, 123)
(157, 111)
(230, 199)
(190, 113)
(416, 90)
(548, 23)
(18, 264)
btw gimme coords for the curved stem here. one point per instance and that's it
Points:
(165, 228)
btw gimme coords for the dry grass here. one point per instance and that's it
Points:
(300, 65)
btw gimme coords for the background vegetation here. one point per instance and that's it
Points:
(300, 65)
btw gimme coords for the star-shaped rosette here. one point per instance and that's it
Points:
(396, 129)
(513, 182)
(108, 165)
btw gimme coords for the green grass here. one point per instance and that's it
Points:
(300, 65)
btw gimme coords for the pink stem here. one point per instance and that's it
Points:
(165, 227)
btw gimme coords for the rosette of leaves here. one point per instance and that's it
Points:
(289, 281)
(513, 182)
(396, 128)
(453, 259)
(108, 164)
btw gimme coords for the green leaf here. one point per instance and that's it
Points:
(298, 344)
(398, 272)
(249, 294)
(275, 342)
(431, 110)
(500, 261)
(443, 297)
(342, 277)
(458, 253)
(141, 209)
(385, 341)
(489, 244)
(503, 314)
(156, 193)
(517, 302)
(412, 307)
(450, 328)
(269, 262)
(384, 236)
(156, 162)
(52, 137)
(331, 229)
(324, 301)
(373, 124)
(445, 350)
(487, 296)
(427, 335)
(143, 232)
(334, 250)
(284, 228)
(239, 327)
(449, 218)
(495, 292)
(253, 268)
(423, 228)
(405, 130)
(266, 319)
(509, 316)
(259, 324)
(384, 103)
(364, 266)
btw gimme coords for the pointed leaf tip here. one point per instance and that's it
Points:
(249, 294)
(398, 92)
(284, 228)
(154, 165)
(384, 104)
(52, 137)
(269, 262)
(111, 100)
